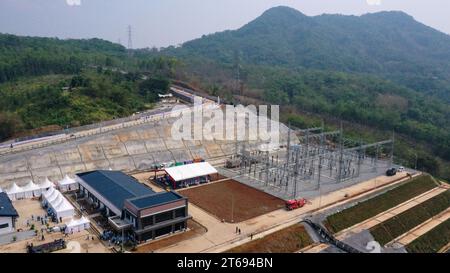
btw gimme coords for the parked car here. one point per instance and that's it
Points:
(401, 169)
(391, 172)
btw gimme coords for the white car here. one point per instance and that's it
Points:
(401, 169)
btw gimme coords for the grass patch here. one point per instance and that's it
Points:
(398, 225)
(367, 209)
(432, 241)
(288, 240)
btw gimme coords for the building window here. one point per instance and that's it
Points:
(4, 226)
(162, 217)
(147, 221)
(147, 236)
(130, 218)
(163, 231)
(180, 213)
(179, 226)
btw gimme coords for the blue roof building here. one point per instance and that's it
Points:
(132, 206)
(8, 214)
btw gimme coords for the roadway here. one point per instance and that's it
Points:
(221, 236)
(99, 128)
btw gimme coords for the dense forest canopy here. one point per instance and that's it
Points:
(383, 70)
(48, 81)
(388, 44)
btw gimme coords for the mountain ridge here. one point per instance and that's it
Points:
(389, 44)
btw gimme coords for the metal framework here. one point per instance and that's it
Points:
(319, 159)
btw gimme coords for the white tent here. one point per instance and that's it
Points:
(77, 225)
(64, 209)
(47, 184)
(184, 172)
(31, 190)
(52, 197)
(67, 184)
(15, 192)
(58, 203)
(47, 193)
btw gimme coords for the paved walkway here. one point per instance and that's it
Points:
(222, 236)
(386, 215)
(20, 236)
(415, 233)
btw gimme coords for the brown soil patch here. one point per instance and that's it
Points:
(288, 240)
(195, 229)
(217, 199)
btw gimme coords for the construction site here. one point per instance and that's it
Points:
(316, 191)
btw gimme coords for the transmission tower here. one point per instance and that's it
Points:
(130, 41)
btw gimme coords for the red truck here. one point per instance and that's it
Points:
(295, 204)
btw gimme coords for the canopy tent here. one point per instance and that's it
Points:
(31, 190)
(64, 209)
(46, 194)
(60, 206)
(15, 192)
(189, 171)
(77, 225)
(46, 185)
(67, 184)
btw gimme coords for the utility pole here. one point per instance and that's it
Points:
(415, 165)
(238, 74)
(232, 208)
(341, 152)
(392, 148)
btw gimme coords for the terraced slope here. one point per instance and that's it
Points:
(432, 241)
(402, 223)
(370, 208)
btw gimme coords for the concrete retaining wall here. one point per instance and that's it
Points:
(127, 149)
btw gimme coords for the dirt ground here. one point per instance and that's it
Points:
(145, 179)
(287, 240)
(232, 201)
(195, 229)
(28, 208)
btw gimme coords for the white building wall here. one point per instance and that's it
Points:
(6, 220)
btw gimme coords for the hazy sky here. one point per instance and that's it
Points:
(171, 22)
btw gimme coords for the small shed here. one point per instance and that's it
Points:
(191, 174)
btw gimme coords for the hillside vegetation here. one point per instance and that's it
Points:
(388, 44)
(66, 83)
(378, 73)
(383, 71)
(372, 207)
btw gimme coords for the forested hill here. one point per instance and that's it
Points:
(48, 84)
(381, 71)
(33, 56)
(389, 44)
